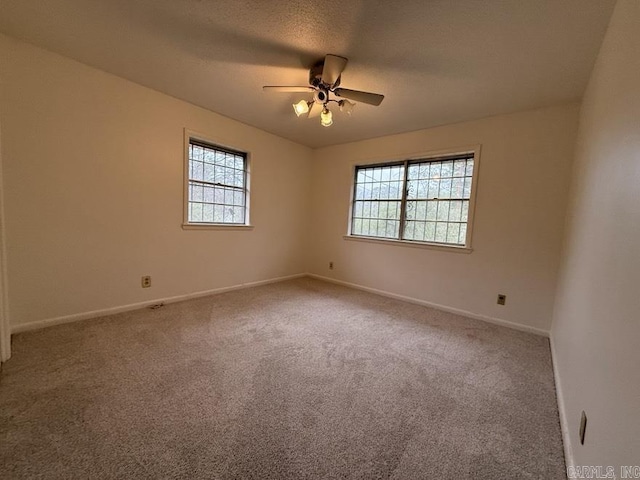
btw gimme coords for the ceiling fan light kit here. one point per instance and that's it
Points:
(301, 107)
(324, 79)
(326, 117)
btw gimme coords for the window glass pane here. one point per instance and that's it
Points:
(366, 224)
(238, 178)
(421, 210)
(207, 212)
(395, 190)
(443, 211)
(387, 210)
(368, 191)
(197, 152)
(434, 171)
(381, 191)
(239, 214)
(208, 172)
(208, 193)
(196, 212)
(462, 237)
(430, 232)
(412, 189)
(464, 216)
(445, 188)
(470, 167)
(467, 187)
(356, 228)
(457, 188)
(393, 228)
(418, 233)
(422, 188)
(410, 210)
(432, 209)
(447, 169)
(455, 209)
(397, 173)
(452, 232)
(357, 209)
(459, 167)
(441, 232)
(217, 213)
(374, 210)
(434, 187)
(409, 230)
(209, 156)
(197, 170)
(195, 192)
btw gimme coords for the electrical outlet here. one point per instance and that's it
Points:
(146, 281)
(502, 299)
(583, 427)
(330, 265)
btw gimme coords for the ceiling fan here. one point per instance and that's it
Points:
(324, 80)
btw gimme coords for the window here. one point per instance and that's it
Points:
(216, 185)
(425, 200)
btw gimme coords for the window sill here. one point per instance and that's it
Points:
(408, 243)
(215, 226)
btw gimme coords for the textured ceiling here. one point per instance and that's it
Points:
(436, 61)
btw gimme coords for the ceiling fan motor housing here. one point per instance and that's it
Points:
(321, 95)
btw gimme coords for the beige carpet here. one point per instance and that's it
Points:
(295, 380)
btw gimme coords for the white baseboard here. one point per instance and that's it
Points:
(24, 327)
(564, 421)
(417, 301)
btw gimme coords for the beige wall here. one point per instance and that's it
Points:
(596, 328)
(93, 168)
(520, 206)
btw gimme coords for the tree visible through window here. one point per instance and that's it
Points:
(216, 185)
(427, 200)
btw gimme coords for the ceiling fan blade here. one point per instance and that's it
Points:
(316, 110)
(358, 96)
(333, 67)
(283, 89)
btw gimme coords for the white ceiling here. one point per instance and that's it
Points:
(436, 61)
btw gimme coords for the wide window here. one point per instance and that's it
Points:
(425, 200)
(216, 189)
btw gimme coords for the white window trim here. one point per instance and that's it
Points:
(186, 225)
(466, 248)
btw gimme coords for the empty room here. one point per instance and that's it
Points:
(298, 240)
